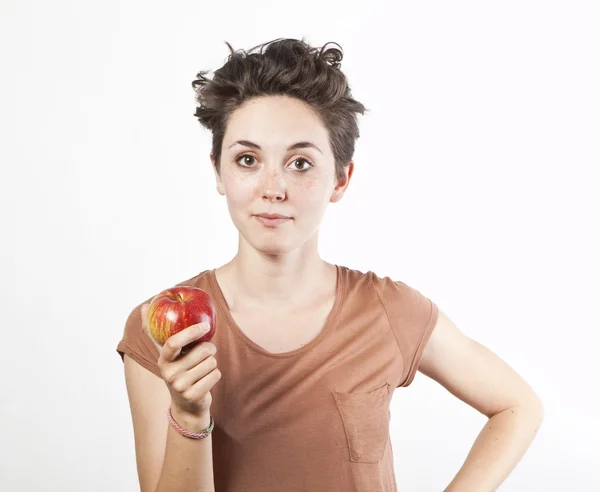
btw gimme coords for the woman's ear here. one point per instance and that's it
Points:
(342, 184)
(220, 187)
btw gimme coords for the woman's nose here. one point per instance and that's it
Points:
(273, 185)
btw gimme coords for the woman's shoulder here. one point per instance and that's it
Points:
(386, 286)
(368, 278)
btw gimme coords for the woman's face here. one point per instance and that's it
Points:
(263, 175)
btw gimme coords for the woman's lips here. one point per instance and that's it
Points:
(271, 222)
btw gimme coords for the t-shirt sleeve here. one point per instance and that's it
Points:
(412, 317)
(137, 344)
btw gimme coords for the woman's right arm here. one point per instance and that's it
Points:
(166, 460)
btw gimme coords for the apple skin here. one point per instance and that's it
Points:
(176, 308)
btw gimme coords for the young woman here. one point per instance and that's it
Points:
(309, 353)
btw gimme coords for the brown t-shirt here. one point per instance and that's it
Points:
(315, 418)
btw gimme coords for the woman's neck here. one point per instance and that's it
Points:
(268, 284)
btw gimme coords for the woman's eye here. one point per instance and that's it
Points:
(301, 159)
(246, 160)
(244, 156)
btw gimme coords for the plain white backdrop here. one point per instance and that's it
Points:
(476, 182)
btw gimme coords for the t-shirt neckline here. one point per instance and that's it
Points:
(223, 310)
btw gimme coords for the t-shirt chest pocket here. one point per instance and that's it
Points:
(366, 419)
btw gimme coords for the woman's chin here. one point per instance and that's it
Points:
(272, 249)
(269, 241)
(272, 245)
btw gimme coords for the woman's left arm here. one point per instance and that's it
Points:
(480, 378)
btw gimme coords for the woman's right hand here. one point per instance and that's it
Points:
(188, 376)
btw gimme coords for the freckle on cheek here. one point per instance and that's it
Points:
(308, 184)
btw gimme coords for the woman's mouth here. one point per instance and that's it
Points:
(271, 220)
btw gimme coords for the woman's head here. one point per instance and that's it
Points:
(290, 106)
(288, 67)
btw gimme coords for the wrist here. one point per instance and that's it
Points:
(191, 422)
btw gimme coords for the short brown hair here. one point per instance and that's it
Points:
(288, 67)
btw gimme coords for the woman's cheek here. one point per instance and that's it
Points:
(307, 183)
(241, 187)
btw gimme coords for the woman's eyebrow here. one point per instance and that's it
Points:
(297, 145)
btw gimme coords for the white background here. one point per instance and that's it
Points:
(476, 182)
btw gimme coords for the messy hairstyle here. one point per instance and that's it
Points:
(288, 67)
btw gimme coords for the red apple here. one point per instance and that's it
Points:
(174, 309)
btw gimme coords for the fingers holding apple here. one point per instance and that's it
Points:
(190, 378)
(182, 321)
(183, 342)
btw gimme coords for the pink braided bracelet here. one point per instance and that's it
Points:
(192, 435)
